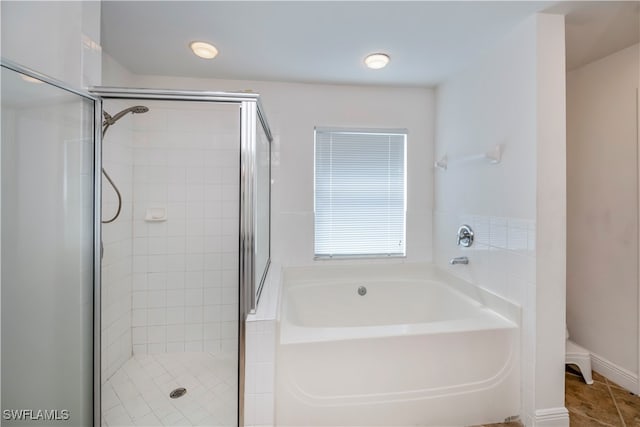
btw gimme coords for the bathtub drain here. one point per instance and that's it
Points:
(179, 392)
(362, 291)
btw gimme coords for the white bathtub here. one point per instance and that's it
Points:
(412, 351)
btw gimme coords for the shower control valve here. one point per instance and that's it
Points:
(465, 236)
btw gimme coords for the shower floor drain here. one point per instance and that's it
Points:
(179, 392)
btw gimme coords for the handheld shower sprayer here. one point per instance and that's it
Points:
(108, 121)
(111, 120)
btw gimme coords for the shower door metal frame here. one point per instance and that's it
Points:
(637, 131)
(97, 206)
(251, 116)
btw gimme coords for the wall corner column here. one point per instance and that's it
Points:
(551, 220)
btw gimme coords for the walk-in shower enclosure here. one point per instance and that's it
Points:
(90, 307)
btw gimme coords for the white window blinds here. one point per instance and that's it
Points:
(360, 192)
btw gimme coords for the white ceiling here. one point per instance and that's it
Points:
(308, 41)
(597, 29)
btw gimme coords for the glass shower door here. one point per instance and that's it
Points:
(47, 253)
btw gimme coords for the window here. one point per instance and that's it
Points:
(360, 192)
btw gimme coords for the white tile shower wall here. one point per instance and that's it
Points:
(260, 373)
(116, 237)
(185, 280)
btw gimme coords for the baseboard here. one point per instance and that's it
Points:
(615, 373)
(552, 417)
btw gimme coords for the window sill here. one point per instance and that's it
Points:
(352, 257)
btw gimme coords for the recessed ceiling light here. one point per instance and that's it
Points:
(204, 50)
(30, 79)
(377, 60)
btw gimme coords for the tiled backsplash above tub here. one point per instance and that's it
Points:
(502, 257)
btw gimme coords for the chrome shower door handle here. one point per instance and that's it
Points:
(465, 236)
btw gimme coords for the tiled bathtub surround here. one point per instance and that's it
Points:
(185, 282)
(260, 361)
(260, 373)
(501, 260)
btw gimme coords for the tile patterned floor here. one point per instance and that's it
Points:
(602, 403)
(138, 393)
(511, 424)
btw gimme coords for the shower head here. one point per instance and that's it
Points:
(109, 119)
(139, 109)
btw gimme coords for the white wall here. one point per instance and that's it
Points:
(60, 39)
(114, 74)
(602, 187)
(496, 101)
(551, 218)
(293, 110)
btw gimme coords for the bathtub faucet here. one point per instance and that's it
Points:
(459, 260)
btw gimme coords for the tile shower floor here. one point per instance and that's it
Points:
(138, 393)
